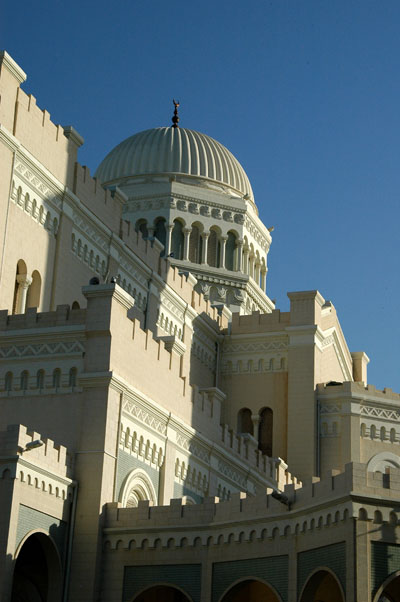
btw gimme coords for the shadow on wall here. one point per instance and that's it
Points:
(37, 574)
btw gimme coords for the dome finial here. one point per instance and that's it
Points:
(175, 118)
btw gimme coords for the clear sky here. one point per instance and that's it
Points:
(305, 93)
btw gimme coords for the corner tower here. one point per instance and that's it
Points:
(189, 191)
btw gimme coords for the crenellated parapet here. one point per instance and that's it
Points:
(258, 323)
(314, 505)
(62, 316)
(357, 389)
(36, 461)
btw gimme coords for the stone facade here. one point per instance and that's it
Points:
(165, 431)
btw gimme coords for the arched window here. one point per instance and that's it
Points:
(265, 430)
(24, 380)
(244, 422)
(72, 377)
(160, 232)
(75, 305)
(230, 251)
(141, 226)
(177, 240)
(40, 379)
(213, 249)
(195, 245)
(8, 382)
(137, 487)
(56, 378)
(33, 299)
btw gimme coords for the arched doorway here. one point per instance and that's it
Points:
(390, 589)
(37, 572)
(251, 590)
(166, 593)
(322, 586)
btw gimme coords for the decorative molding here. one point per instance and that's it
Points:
(43, 349)
(136, 411)
(95, 236)
(190, 446)
(168, 303)
(37, 184)
(330, 408)
(232, 474)
(38, 210)
(256, 346)
(390, 414)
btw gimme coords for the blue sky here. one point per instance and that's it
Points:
(304, 93)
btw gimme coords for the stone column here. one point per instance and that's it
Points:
(186, 232)
(239, 248)
(255, 418)
(150, 231)
(204, 236)
(222, 251)
(24, 283)
(168, 239)
(257, 273)
(263, 278)
(246, 260)
(251, 266)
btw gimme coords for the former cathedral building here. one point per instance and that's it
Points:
(166, 432)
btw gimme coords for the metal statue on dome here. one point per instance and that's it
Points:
(175, 118)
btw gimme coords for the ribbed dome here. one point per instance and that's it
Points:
(171, 150)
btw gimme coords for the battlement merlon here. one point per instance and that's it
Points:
(18, 441)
